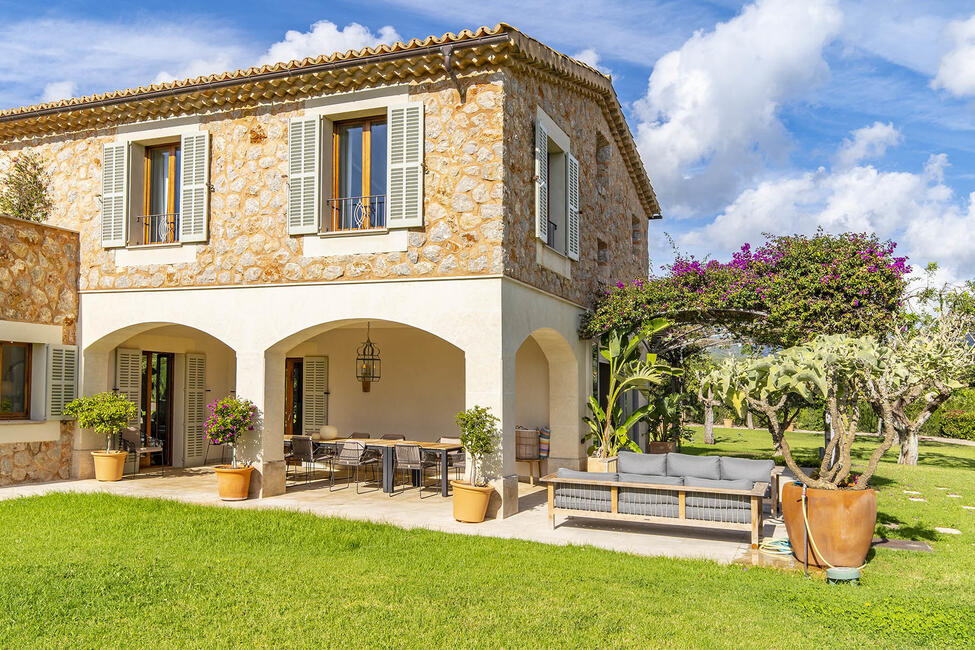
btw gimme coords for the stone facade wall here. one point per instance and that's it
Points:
(249, 243)
(610, 210)
(39, 285)
(39, 275)
(27, 462)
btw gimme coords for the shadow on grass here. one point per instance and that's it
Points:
(912, 532)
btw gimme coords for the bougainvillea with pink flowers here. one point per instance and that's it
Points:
(781, 293)
(228, 418)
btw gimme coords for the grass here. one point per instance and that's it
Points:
(104, 571)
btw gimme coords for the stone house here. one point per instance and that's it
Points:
(38, 357)
(455, 200)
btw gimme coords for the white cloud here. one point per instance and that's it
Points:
(591, 57)
(325, 37)
(58, 90)
(869, 142)
(956, 72)
(709, 121)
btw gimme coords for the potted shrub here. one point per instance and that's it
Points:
(608, 429)
(479, 435)
(228, 419)
(106, 413)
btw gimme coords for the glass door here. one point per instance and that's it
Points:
(293, 368)
(157, 405)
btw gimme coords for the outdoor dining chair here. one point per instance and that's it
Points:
(392, 436)
(352, 456)
(303, 453)
(360, 435)
(455, 459)
(412, 458)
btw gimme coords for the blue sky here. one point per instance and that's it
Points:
(772, 116)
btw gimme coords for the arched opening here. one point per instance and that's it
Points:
(547, 395)
(171, 372)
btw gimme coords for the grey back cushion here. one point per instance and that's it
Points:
(699, 466)
(756, 471)
(632, 463)
(720, 484)
(565, 472)
(651, 479)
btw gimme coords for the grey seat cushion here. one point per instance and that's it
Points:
(649, 495)
(734, 515)
(565, 472)
(632, 463)
(757, 471)
(648, 509)
(657, 479)
(719, 501)
(578, 503)
(720, 484)
(698, 466)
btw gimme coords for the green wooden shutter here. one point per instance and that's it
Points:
(194, 187)
(115, 164)
(314, 397)
(128, 378)
(541, 182)
(404, 178)
(572, 207)
(195, 408)
(62, 379)
(304, 153)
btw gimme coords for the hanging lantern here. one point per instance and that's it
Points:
(368, 365)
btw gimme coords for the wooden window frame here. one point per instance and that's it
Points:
(366, 123)
(25, 415)
(171, 226)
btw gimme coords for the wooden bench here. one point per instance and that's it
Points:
(599, 507)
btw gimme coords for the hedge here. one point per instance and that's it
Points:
(958, 424)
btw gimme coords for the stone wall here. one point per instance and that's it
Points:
(26, 462)
(248, 241)
(610, 211)
(39, 275)
(38, 285)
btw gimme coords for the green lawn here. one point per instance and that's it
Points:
(102, 571)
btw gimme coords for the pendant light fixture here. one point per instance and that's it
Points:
(368, 365)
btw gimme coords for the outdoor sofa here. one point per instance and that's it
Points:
(680, 489)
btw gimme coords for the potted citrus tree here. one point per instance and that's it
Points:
(229, 418)
(479, 435)
(105, 413)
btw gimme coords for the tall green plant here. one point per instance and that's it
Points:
(106, 413)
(608, 430)
(479, 435)
(24, 189)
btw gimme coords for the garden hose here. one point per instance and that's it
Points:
(812, 540)
(775, 546)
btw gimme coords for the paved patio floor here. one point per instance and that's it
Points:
(433, 512)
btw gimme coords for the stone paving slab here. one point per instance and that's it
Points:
(407, 510)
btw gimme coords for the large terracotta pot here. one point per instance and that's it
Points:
(663, 446)
(233, 483)
(594, 464)
(840, 521)
(109, 465)
(471, 501)
(727, 423)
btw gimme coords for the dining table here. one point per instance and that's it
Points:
(387, 448)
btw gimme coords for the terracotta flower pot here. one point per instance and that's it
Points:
(233, 483)
(727, 423)
(470, 501)
(594, 464)
(109, 465)
(840, 521)
(663, 446)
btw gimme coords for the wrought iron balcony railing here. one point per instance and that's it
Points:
(355, 213)
(158, 228)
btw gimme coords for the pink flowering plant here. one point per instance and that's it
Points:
(228, 418)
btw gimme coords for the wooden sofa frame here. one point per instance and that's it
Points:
(756, 495)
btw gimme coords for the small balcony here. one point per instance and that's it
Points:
(355, 213)
(155, 229)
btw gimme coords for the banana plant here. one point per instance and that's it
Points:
(608, 430)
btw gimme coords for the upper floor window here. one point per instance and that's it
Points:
(159, 221)
(359, 173)
(15, 373)
(556, 189)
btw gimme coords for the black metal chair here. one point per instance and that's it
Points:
(392, 436)
(133, 443)
(457, 460)
(352, 456)
(360, 436)
(303, 453)
(412, 458)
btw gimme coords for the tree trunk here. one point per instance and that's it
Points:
(708, 424)
(908, 455)
(777, 449)
(748, 420)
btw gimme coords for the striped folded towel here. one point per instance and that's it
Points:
(544, 436)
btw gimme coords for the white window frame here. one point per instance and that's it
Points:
(560, 147)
